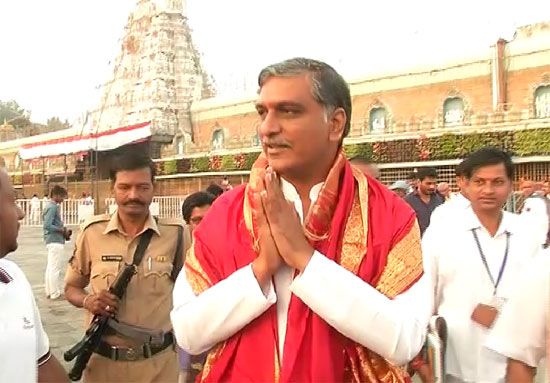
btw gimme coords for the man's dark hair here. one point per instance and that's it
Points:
(485, 157)
(459, 169)
(58, 191)
(423, 173)
(214, 189)
(327, 86)
(131, 160)
(198, 199)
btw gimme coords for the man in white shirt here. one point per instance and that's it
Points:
(521, 331)
(536, 213)
(475, 265)
(25, 347)
(35, 209)
(282, 283)
(453, 210)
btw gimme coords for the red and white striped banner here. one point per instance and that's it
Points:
(107, 140)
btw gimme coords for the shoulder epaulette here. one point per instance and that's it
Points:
(170, 221)
(95, 219)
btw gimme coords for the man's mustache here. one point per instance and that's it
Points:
(134, 202)
(275, 143)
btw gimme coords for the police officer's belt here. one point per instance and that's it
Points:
(136, 333)
(131, 354)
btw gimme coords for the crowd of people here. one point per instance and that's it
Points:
(313, 271)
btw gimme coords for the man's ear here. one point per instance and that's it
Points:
(337, 122)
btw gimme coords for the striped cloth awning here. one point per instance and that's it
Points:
(106, 140)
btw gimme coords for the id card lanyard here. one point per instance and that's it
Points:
(484, 260)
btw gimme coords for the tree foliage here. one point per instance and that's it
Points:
(55, 123)
(12, 113)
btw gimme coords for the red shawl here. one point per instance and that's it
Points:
(356, 222)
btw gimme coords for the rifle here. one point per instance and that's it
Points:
(83, 350)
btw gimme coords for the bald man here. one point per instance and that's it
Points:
(444, 190)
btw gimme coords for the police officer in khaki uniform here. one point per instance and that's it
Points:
(139, 346)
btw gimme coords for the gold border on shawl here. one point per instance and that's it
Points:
(277, 369)
(363, 190)
(195, 275)
(377, 369)
(354, 244)
(247, 213)
(211, 359)
(404, 265)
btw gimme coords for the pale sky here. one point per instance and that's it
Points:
(55, 53)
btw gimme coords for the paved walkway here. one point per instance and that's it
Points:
(63, 323)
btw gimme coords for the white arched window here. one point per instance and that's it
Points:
(180, 144)
(453, 111)
(217, 139)
(542, 102)
(377, 120)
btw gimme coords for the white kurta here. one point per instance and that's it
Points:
(449, 213)
(23, 341)
(394, 329)
(461, 282)
(535, 215)
(521, 331)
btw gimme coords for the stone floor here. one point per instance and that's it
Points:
(63, 323)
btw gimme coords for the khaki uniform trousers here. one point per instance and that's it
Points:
(161, 368)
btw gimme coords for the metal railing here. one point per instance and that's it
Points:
(75, 211)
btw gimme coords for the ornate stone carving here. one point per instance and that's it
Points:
(157, 74)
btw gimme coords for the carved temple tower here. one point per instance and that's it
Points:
(156, 76)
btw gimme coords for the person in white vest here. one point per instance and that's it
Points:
(25, 346)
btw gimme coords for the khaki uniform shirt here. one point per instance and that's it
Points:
(101, 248)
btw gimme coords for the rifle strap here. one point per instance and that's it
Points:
(178, 257)
(144, 241)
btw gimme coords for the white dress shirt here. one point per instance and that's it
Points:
(450, 212)
(394, 329)
(521, 330)
(461, 282)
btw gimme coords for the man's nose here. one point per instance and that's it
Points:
(488, 188)
(270, 125)
(133, 193)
